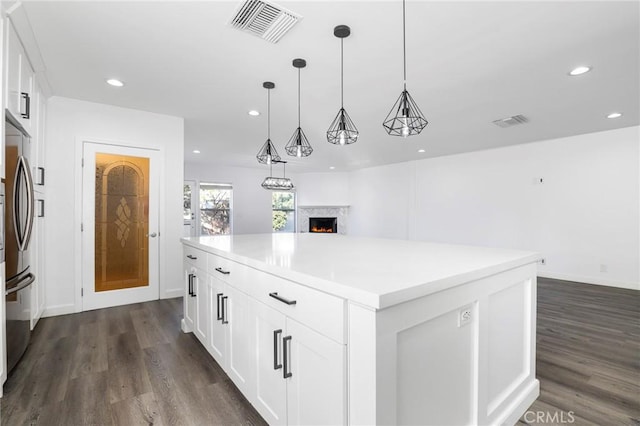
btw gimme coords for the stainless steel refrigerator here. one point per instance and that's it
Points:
(17, 227)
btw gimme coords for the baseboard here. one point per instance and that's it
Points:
(174, 292)
(521, 404)
(52, 311)
(589, 280)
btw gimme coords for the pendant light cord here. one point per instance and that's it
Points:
(342, 73)
(404, 42)
(298, 97)
(268, 113)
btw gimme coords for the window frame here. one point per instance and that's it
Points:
(293, 209)
(220, 186)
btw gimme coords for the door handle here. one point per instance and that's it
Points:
(193, 292)
(190, 284)
(224, 310)
(286, 352)
(276, 339)
(40, 208)
(27, 105)
(152, 235)
(218, 313)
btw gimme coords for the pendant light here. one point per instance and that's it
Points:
(405, 118)
(342, 131)
(298, 145)
(268, 153)
(273, 183)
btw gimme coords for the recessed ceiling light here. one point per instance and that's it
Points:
(421, 151)
(579, 70)
(254, 113)
(114, 82)
(196, 151)
(615, 115)
(331, 167)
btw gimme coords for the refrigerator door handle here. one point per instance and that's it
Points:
(30, 278)
(23, 236)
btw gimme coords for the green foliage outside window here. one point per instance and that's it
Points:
(283, 210)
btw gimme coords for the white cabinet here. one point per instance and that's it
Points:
(38, 145)
(300, 374)
(37, 259)
(19, 79)
(250, 324)
(200, 292)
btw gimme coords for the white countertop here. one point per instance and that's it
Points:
(374, 272)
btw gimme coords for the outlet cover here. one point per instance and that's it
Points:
(465, 316)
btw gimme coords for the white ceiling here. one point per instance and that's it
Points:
(469, 63)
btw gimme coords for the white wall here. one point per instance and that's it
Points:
(251, 209)
(585, 217)
(323, 189)
(69, 122)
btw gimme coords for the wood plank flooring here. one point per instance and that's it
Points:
(588, 355)
(131, 365)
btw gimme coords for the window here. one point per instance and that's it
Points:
(215, 208)
(283, 205)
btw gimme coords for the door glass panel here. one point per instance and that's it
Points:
(122, 222)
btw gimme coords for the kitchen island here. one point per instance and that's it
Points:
(332, 329)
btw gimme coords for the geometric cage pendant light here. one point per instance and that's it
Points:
(298, 145)
(342, 131)
(268, 152)
(405, 118)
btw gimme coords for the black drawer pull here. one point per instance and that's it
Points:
(222, 271)
(286, 351)
(192, 257)
(224, 310)
(282, 299)
(219, 312)
(276, 340)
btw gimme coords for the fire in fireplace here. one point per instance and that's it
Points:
(324, 225)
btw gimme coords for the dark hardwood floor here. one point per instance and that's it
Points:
(129, 365)
(588, 355)
(132, 365)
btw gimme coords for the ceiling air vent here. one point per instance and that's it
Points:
(511, 121)
(265, 20)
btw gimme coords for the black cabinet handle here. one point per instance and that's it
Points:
(27, 105)
(193, 292)
(192, 257)
(218, 313)
(276, 339)
(224, 310)
(286, 350)
(41, 176)
(190, 284)
(282, 299)
(222, 271)
(41, 208)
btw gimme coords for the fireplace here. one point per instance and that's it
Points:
(323, 225)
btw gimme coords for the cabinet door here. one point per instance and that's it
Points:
(13, 51)
(189, 302)
(201, 295)
(316, 389)
(217, 341)
(239, 344)
(37, 260)
(270, 387)
(27, 103)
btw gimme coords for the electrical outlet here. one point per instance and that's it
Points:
(542, 261)
(465, 316)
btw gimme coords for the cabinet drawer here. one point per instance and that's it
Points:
(315, 309)
(195, 257)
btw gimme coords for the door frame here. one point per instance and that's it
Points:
(78, 213)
